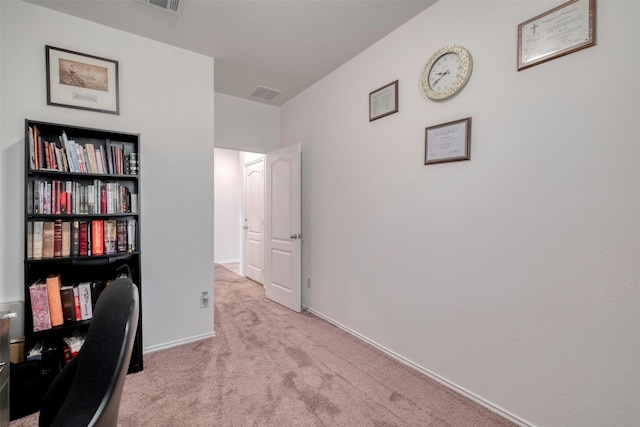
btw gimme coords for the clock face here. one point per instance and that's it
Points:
(447, 72)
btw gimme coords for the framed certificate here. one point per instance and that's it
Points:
(383, 101)
(448, 142)
(558, 32)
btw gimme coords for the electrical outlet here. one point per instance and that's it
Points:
(204, 299)
(309, 282)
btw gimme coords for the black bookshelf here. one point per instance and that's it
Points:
(86, 182)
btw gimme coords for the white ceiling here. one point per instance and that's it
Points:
(285, 45)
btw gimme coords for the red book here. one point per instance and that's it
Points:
(57, 238)
(76, 303)
(97, 237)
(83, 236)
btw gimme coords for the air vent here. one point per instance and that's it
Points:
(173, 7)
(266, 93)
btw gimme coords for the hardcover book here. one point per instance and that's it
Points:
(38, 229)
(110, 237)
(121, 230)
(86, 306)
(57, 238)
(66, 239)
(76, 303)
(97, 237)
(55, 303)
(75, 238)
(40, 307)
(68, 304)
(48, 239)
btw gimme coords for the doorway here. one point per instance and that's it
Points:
(269, 242)
(235, 247)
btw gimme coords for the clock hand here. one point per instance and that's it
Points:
(441, 76)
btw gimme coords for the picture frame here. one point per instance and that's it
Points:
(561, 31)
(79, 80)
(448, 142)
(383, 101)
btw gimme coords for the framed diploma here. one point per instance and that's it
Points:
(448, 142)
(566, 29)
(383, 101)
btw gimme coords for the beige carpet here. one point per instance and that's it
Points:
(268, 366)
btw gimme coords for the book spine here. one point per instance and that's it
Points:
(30, 240)
(97, 237)
(48, 239)
(121, 230)
(38, 235)
(32, 158)
(131, 235)
(110, 237)
(41, 154)
(76, 303)
(55, 303)
(75, 238)
(66, 239)
(109, 152)
(57, 238)
(40, 307)
(83, 238)
(68, 304)
(36, 152)
(86, 307)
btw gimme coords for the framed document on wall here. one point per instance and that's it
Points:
(566, 29)
(448, 142)
(383, 101)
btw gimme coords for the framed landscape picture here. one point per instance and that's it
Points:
(78, 80)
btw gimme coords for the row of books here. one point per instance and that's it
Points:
(53, 304)
(70, 347)
(65, 155)
(76, 198)
(63, 239)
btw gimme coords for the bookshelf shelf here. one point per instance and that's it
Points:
(81, 228)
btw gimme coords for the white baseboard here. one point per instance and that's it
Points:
(177, 343)
(461, 390)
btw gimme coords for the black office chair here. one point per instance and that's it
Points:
(87, 391)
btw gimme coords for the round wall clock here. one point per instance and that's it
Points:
(447, 72)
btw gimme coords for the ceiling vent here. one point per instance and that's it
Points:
(173, 7)
(265, 93)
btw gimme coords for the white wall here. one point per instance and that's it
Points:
(232, 130)
(513, 276)
(175, 161)
(228, 205)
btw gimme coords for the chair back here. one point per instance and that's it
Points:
(88, 390)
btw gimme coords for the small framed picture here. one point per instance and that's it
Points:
(78, 80)
(383, 101)
(448, 142)
(560, 31)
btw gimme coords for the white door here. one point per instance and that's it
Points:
(254, 220)
(283, 232)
